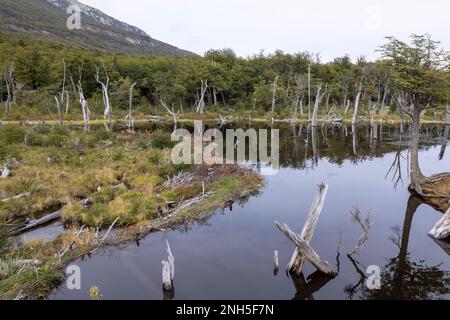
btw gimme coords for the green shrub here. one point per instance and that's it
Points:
(35, 139)
(102, 135)
(162, 141)
(12, 133)
(56, 140)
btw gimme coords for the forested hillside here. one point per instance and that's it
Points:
(48, 19)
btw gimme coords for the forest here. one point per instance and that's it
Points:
(34, 72)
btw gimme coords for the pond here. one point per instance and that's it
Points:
(230, 255)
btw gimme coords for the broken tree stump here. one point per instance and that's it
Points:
(276, 263)
(297, 260)
(442, 229)
(307, 253)
(168, 269)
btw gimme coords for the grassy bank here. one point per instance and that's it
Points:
(125, 177)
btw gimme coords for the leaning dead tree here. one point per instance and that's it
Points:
(307, 251)
(171, 110)
(62, 98)
(201, 101)
(297, 261)
(303, 251)
(107, 114)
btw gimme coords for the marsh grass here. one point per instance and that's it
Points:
(121, 173)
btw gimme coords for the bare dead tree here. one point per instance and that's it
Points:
(347, 107)
(107, 114)
(9, 81)
(201, 101)
(130, 109)
(319, 97)
(297, 260)
(309, 92)
(274, 92)
(357, 101)
(61, 96)
(171, 110)
(84, 104)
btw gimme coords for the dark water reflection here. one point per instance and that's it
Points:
(230, 256)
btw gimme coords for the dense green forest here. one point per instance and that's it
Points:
(32, 74)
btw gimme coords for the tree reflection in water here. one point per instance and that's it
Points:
(405, 279)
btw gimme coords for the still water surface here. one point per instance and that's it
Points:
(230, 256)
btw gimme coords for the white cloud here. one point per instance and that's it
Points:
(331, 28)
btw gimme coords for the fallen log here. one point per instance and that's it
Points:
(44, 220)
(297, 260)
(442, 229)
(16, 197)
(306, 251)
(30, 262)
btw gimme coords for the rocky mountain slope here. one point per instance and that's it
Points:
(48, 18)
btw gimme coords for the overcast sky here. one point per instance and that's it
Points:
(331, 28)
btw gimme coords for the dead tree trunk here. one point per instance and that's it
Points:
(170, 111)
(61, 96)
(347, 107)
(298, 260)
(130, 109)
(316, 106)
(84, 105)
(105, 85)
(201, 101)
(274, 93)
(358, 98)
(9, 81)
(309, 92)
(307, 252)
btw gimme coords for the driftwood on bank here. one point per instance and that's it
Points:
(297, 260)
(442, 229)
